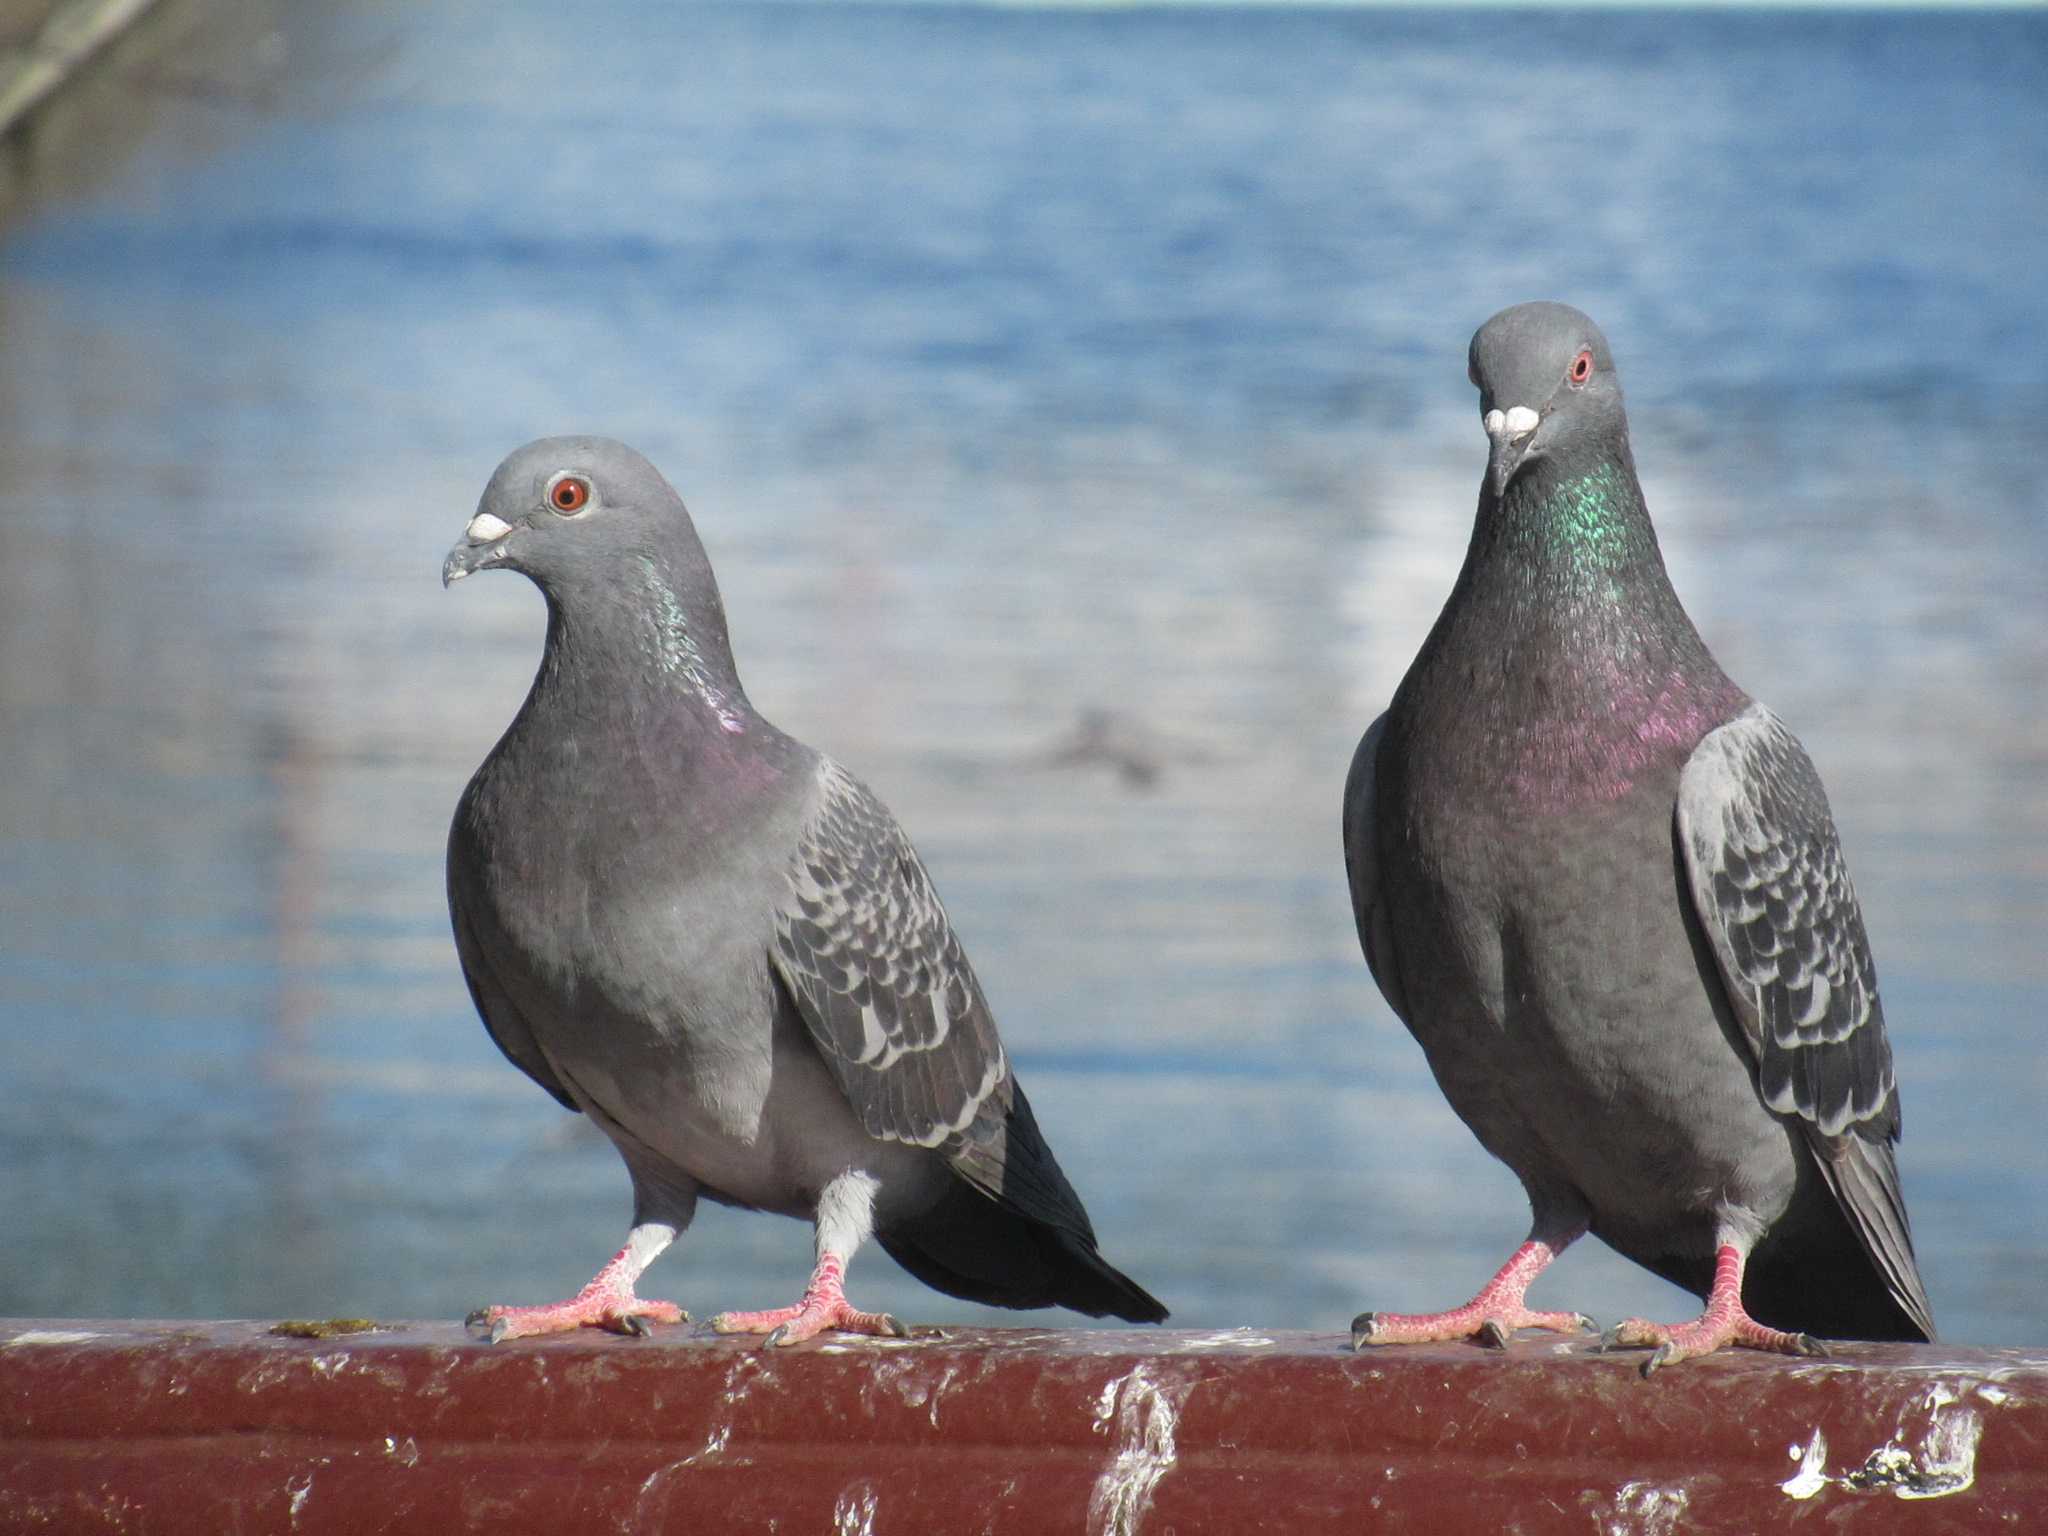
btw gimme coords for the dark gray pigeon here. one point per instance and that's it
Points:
(720, 946)
(1602, 887)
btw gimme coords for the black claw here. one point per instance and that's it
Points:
(775, 1337)
(499, 1330)
(1493, 1335)
(635, 1324)
(1586, 1324)
(1361, 1329)
(896, 1329)
(1811, 1347)
(1661, 1355)
(475, 1321)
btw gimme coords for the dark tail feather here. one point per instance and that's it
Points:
(969, 1246)
(1816, 1275)
(1011, 1232)
(1828, 1292)
(1816, 1272)
(1838, 1300)
(1865, 1180)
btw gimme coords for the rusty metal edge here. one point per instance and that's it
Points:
(218, 1425)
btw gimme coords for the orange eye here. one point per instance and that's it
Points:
(1582, 367)
(569, 494)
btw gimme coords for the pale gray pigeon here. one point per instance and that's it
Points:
(1602, 887)
(721, 947)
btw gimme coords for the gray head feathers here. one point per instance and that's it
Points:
(1547, 388)
(609, 542)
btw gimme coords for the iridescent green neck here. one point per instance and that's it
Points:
(1564, 666)
(1591, 520)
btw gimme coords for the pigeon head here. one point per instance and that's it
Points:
(1547, 387)
(607, 540)
(566, 508)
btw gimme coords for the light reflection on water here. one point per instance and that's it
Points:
(1017, 367)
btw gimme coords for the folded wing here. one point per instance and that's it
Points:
(1773, 895)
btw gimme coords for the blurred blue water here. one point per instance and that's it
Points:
(1016, 364)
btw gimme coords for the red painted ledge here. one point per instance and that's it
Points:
(214, 1427)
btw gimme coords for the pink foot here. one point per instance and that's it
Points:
(607, 1302)
(1492, 1316)
(824, 1306)
(1722, 1324)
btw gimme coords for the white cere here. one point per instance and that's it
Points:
(1516, 421)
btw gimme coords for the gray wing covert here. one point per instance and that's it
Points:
(1772, 891)
(866, 950)
(1773, 896)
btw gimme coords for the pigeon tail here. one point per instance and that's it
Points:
(1811, 1271)
(1822, 1275)
(1011, 1232)
(969, 1246)
(1865, 1179)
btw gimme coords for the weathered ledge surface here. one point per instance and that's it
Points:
(226, 1426)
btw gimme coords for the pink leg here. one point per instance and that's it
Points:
(607, 1302)
(1723, 1323)
(1493, 1315)
(824, 1306)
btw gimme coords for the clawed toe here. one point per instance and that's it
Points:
(607, 1302)
(1491, 1317)
(629, 1315)
(824, 1307)
(1723, 1325)
(799, 1325)
(639, 1323)
(1711, 1332)
(1492, 1329)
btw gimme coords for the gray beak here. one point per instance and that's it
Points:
(481, 546)
(1509, 433)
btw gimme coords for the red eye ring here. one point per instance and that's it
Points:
(1582, 367)
(569, 494)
